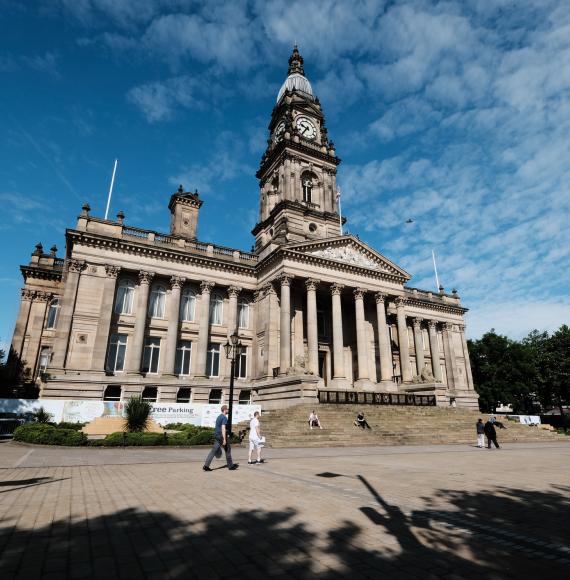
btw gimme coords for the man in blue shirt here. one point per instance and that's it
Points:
(221, 441)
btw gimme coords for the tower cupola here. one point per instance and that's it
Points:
(184, 207)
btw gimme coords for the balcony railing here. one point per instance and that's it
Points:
(366, 398)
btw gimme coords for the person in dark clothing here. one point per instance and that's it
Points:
(480, 433)
(491, 433)
(221, 442)
(360, 421)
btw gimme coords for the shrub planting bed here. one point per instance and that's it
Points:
(46, 434)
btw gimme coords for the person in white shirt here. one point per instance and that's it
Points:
(255, 439)
(314, 420)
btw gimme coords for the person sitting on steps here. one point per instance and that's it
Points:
(314, 420)
(360, 421)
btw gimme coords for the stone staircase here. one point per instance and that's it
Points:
(390, 425)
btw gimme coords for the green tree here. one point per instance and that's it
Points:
(15, 377)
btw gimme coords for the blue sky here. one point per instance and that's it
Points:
(455, 114)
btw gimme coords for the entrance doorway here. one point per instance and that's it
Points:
(323, 367)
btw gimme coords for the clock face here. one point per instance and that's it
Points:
(279, 132)
(306, 128)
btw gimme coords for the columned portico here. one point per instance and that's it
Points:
(419, 344)
(285, 324)
(363, 374)
(136, 348)
(403, 340)
(338, 339)
(176, 283)
(312, 326)
(434, 350)
(386, 370)
(204, 328)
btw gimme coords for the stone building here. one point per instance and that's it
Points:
(130, 310)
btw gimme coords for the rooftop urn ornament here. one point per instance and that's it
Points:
(180, 189)
(120, 216)
(454, 291)
(39, 250)
(441, 290)
(85, 209)
(53, 250)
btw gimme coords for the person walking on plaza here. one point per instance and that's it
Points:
(491, 433)
(480, 433)
(255, 439)
(221, 442)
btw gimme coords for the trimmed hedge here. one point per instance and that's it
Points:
(45, 434)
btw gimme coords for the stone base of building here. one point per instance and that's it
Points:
(287, 390)
(443, 396)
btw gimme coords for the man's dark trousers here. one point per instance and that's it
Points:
(218, 445)
(494, 440)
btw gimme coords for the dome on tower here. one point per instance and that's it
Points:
(296, 80)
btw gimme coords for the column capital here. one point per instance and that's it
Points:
(74, 265)
(234, 291)
(312, 283)
(400, 302)
(285, 279)
(417, 322)
(112, 271)
(145, 277)
(41, 296)
(432, 324)
(268, 289)
(177, 282)
(461, 327)
(359, 293)
(206, 287)
(27, 294)
(380, 297)
(447, 326)
(336, 289)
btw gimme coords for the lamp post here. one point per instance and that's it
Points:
(233, 349)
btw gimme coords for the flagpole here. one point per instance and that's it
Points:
(111, 189)
(435, 270)
(339, 211)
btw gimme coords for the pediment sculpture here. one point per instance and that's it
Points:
(348, 255)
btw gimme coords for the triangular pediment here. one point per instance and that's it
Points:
(349, 250)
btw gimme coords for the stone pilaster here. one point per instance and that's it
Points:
(62, 336)
(22, 321)
(361, 341)
(135, 349)
(403, 340)
(450, 365)
(386, 370)
(36, 326)
(203, 329)
(285, 323)
(233, 294)
(338, 338)
(312, 325)
(105, 314)
(418, 342)
(434, 350)
(176, 283)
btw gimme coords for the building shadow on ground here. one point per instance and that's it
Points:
(381, 541)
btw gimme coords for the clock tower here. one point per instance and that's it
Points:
(297, 174)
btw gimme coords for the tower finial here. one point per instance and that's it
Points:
(296, 62)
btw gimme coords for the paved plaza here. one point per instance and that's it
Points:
(398, 512)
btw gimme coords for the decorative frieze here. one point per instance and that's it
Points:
(347, 255)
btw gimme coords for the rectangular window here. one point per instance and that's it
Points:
(213, 361)
(241, 365)
(151, 355)
(183, 357)
(117, 352)
(184, 394)
(45, 357)
(243, 314)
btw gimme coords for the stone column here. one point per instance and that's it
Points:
(403, 340)
(36, 327)
(419, 344)
(233, 293)
(450, 365)
(105, 314)
(176, 283)
(135, 349)
(386, 370)
(312, 325)
(204, 329)
(361, 341)
(466, 356)
(21, 327)
(285, 324)
(61, 344)
(434, 350)
(338, 339)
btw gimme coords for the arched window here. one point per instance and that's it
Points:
(243, 313)
(216, 309)
(187, 306)
(125, 295)
(157, 302)
(53, 313)
(307, 183)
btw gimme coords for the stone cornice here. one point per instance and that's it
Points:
(283, 253)
(159, 252)
(427, 305)
(40, 273)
